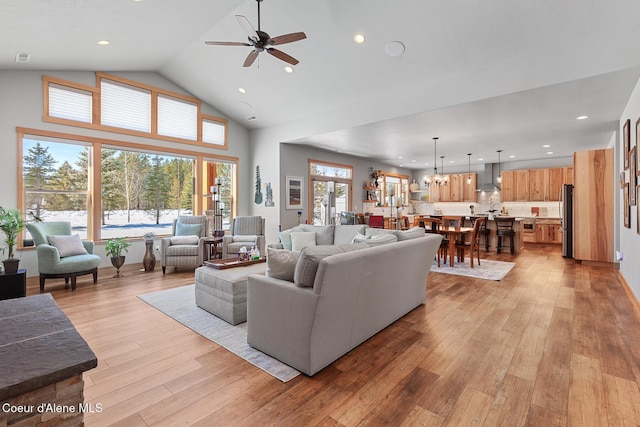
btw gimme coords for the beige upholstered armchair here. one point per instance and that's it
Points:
(185, 248)
(245, 231)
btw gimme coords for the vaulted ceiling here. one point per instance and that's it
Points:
(481, 75)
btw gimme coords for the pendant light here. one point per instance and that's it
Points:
(499, 179)
(435, 179)
(469, 176)
(445, 178)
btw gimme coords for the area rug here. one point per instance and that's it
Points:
(490, 270)
(180, 305)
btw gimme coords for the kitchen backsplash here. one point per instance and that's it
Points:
(482, 206)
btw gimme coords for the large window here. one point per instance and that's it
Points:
(112, 189)
(331, 195)
(56, 181)
(124, 106)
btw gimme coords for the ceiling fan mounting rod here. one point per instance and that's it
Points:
(259, 1)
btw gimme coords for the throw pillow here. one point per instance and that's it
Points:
(411, 233)
(375, 240)
(68, 245)
(184, 240)
(324, 233)
(302, 239)
(187, 229)
(285, 236)
(308, 262)
(281, 263)
(376, 231)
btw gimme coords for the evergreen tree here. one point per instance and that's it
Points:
(156, 188)
(39, 167)
(66, 178)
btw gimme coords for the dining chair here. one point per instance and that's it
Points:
(504, 228)
(376, 221)
(474, 244)
(360, 218)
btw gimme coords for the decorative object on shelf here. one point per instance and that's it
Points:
(435, 179)
(149, 258)
(414, 186)
(218, 205)
(469, 176)
(11, 223)
(258, 196)
(499, 178)
(295, 192)
(299, 216)
(268, 201)
(114, 249)
(374, 174)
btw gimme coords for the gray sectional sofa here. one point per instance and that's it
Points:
(341, 295)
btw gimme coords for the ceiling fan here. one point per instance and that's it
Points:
(262, 41)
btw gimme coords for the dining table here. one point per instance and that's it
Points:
(452, 233)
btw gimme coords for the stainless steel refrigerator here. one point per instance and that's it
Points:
(566, 215)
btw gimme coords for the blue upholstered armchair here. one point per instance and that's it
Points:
(61, 254)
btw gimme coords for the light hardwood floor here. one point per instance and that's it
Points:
(555, 343)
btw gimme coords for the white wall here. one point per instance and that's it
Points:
(629, 237)
(21, 105)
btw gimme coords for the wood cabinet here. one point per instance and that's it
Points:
(457, 190)
(568, 175)
(508, 186)
(548, 231)
(593, 203)
(538, 182)
(522, 185)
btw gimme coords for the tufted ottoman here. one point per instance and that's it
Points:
(224, 292)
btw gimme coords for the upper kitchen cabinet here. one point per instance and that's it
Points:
(457, 189)
(469, 193)
(522, 185)
(508, 186)
(535, 185)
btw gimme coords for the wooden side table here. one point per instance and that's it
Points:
(211, 247)
(13, 285)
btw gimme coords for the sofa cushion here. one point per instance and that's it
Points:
(281, 263)
(376, 231)
(245, 238)
(184, 240)
(411, 233)
(375, 240)
(187, 229)
(68, 245)
(324, 233)
(345, 233)
(310, 258)
(285, 236)
(302, 239)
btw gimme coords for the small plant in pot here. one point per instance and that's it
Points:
(114, 249)
(11, 223)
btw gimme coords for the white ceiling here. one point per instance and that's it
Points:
(482, 75)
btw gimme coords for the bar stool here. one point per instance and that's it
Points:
(504, 228)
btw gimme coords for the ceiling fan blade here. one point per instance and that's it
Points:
(247, 27)
(287, 38)
(250, 58)
(227, 43)
(283, 56)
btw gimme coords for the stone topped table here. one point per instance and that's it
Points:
(42, 358)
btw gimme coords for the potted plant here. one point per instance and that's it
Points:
(114, 249)
(11, 223)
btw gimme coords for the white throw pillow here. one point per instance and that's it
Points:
(68, 245)
(285, 236)
(302, 239)
(411, 233)
(281, 263)
(184, 240)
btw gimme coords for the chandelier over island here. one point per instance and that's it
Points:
(436, 179)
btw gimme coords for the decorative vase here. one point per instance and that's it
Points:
(117, 262)
(11, 265)
(149, 259)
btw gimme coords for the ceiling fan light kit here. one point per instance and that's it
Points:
(262, 41)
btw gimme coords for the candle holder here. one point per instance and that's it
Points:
(218, 206)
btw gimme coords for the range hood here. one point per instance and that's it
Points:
(487, 179)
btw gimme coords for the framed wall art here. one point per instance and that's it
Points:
(632, 176)
(294, 192)
(626, 141)
(626, 208)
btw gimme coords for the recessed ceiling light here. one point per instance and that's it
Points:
(401, 166)
(546, 146)
(452, 161)
(394, 48)
(242, 90)
(413, 161)
(512, 156)
(359, 38)
(288, 69)
(103, 42)
(480, 159)
(582, 117)
(549, 152)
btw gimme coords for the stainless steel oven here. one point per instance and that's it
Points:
(529, 225)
